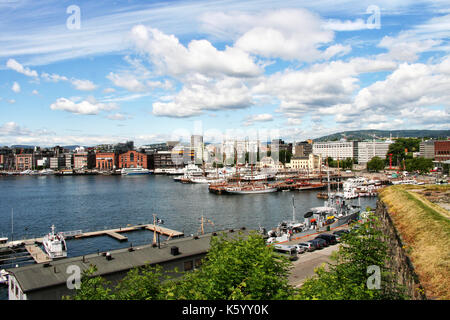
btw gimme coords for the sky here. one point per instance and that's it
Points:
(92, 72)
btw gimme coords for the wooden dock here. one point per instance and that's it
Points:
(116, 233)
(37, 254)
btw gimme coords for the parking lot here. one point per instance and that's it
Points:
(304, 266)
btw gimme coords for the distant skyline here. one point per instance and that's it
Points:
(92, 72)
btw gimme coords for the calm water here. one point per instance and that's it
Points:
(91, 203)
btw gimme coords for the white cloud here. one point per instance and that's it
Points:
(15, 87)
(53, 77)
(292, 34)
(109, 90)
(202, 94)
(16, 66)
(117, 116)
(263, 117)
(83, 85)
(200, 56)
(86, 107)
(126, 81)
(12, 129)
(347, 25)
(35, 92)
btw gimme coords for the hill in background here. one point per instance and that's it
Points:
(378, 134)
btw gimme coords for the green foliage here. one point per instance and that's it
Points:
(92, 288)
(419, 164)
(375, 164)
(343, 163)
(346, 277)
(237, 268)
(398, 149)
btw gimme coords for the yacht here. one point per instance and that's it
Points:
(3, 277)
(55, 244)
(134, 171)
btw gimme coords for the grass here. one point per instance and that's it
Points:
(425, 230)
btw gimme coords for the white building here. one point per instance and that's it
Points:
(336, 149)
(310, 163)
(368, 150)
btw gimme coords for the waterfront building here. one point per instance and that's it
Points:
(43, 163)
(336, 149)
(106, 161)
(270, 163)
(369, 149)
(133, 159)
(68, 163)
(7, 159)
(24, 161)
(165, 160)
(302, 149)
(197, 147)
(84, 160)
(310, 163)
(442, 150)
(48, 281)
(426, 149)
(57, 162)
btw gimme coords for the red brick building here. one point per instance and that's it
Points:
(133, 159)
(442, 150)
(24, 161)
(106, 161)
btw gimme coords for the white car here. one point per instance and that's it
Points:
(300, 248)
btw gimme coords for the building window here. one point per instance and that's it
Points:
(132, 157)
(198, 263)
(188, 265)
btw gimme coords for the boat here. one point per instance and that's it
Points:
(134, 171)
(55, 244)
(250, 189)
(3, 277)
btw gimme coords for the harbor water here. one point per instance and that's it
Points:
(91, 203)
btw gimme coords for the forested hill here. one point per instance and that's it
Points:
(376, 134)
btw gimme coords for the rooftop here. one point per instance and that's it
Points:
(39, 276)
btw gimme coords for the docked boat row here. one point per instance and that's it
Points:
(335, 212)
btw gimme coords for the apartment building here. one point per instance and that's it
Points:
(370, 149)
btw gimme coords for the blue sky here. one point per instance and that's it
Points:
(153, 71)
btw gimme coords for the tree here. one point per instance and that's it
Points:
(237, 268)
(419, 164)
(347, 276)
(375, 164)
(398, 149)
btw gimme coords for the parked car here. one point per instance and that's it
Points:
(300, 249)
(319, 243)
(329, 238)
(339, 233)
(308, 246)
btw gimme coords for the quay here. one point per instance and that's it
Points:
(37, 254)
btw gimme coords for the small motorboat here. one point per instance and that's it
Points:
(55, 244)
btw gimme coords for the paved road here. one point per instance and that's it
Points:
(304, 266)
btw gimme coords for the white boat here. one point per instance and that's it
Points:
(134, 171)
(250, 189)
(3, 277)
(55, 244)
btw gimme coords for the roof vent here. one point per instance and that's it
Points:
(174, 251)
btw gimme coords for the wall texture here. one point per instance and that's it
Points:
(400, 262)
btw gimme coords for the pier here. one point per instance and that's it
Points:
(37, 254)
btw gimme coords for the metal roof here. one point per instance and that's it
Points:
(39, 276)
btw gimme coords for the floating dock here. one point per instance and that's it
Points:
(37, 254)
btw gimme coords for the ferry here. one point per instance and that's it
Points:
(55, 244)
(134, 171)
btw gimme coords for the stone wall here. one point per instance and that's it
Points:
(399, 261)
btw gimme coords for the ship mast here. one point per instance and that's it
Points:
(293, 209)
